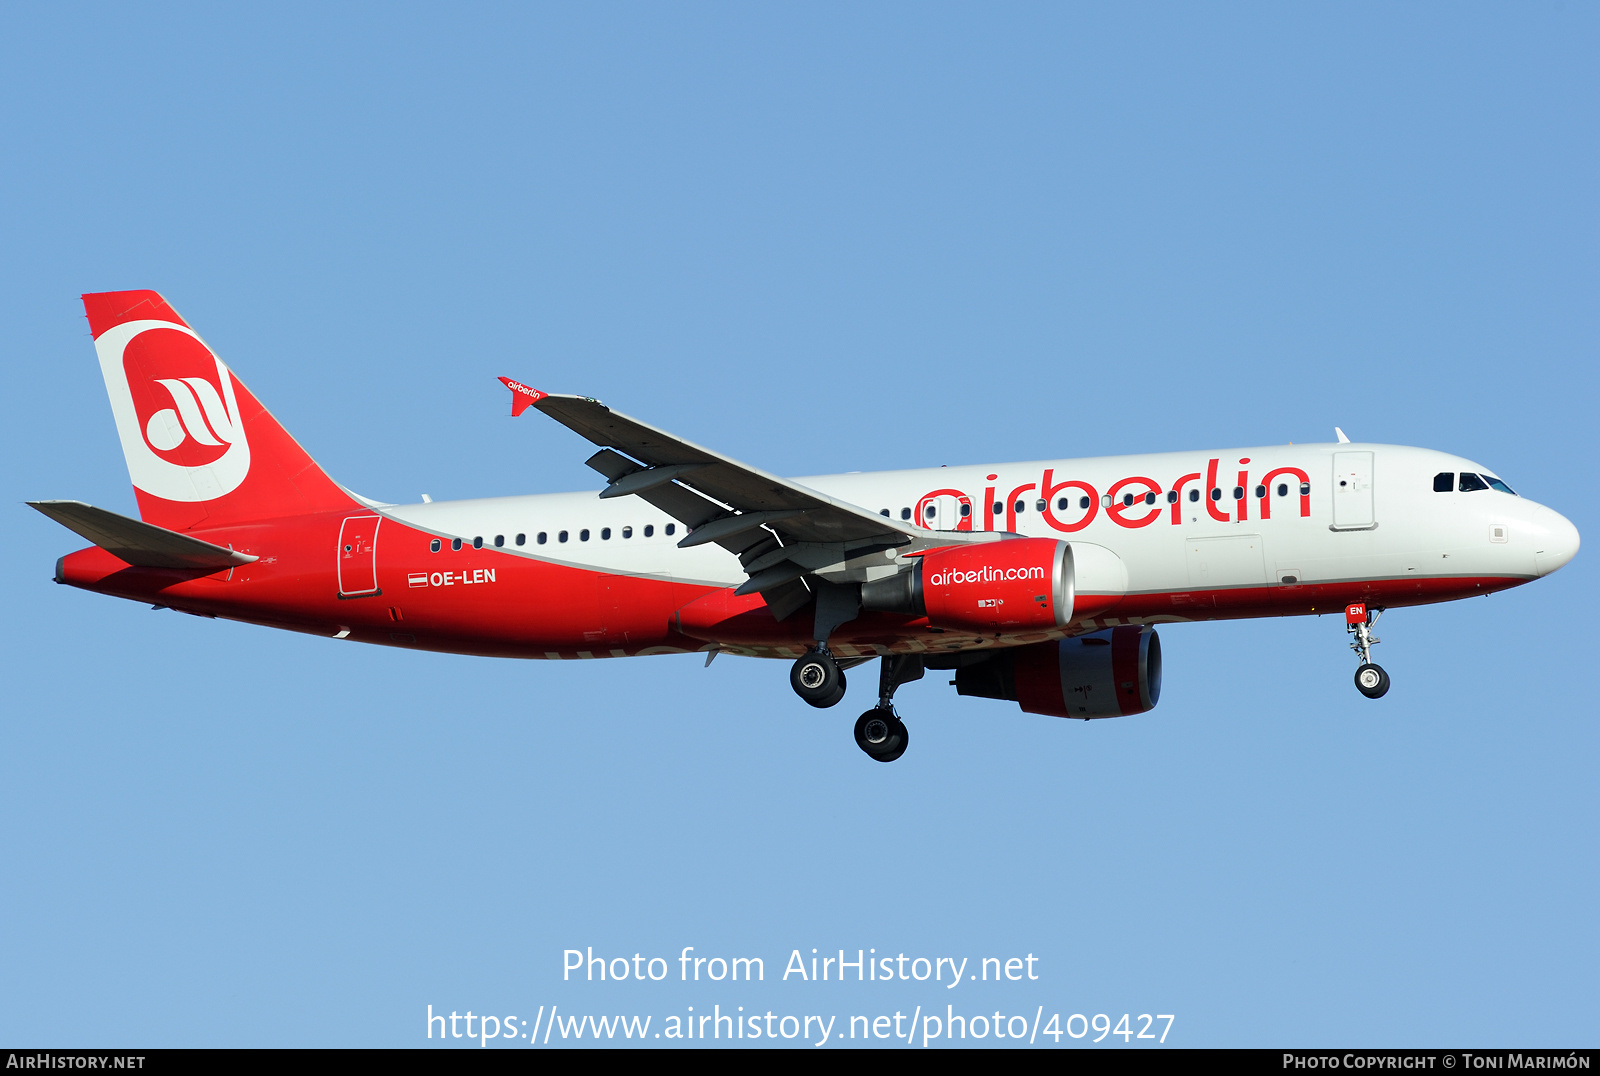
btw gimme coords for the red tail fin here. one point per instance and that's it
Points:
(201, 450)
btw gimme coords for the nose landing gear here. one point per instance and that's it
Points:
(1371, 680)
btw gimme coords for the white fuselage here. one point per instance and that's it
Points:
(1368, 512)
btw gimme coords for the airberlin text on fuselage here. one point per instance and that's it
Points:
(1136, 501)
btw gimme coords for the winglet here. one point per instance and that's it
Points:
(1343, 440)
(521, 396)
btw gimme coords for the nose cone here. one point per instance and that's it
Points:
(1556, 540)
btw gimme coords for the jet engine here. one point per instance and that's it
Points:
(1020, 584)
(1108, 674)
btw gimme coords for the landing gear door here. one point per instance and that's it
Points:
(1352, 491)
(358, 557)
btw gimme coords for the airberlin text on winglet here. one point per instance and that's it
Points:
(521, 395)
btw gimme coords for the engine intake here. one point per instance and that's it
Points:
(1111, 673)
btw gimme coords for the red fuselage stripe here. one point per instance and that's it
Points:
(495, 602)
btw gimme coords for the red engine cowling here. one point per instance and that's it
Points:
(1108, 674)
(1019, 584)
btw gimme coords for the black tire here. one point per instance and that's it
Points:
(816, 679)
(1372, 681)
(881, 735)
(834, 699)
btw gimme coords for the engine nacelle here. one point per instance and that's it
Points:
(1019, 584)
(1108, 674)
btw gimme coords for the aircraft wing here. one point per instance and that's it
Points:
(781, 531)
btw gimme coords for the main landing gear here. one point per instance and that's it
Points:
(817, 678)
(881, 734)
(1371, 680)
(879, 731)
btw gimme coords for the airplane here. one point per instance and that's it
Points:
(1039, 583)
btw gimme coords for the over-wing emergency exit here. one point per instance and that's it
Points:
(1039, 583)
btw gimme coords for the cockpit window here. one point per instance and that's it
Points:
(1444, 482)
(1471, 483)
(1495, 483)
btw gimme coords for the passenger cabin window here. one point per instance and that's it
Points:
(1238, 493)
(1172, 496)
(671, 527)
(1194, 495)
(966, 510)
(627, 532)
(433, 546)
(1149, 498)
(884, 512)
(1283, 489)
(1261, 491)
(1127, 500)
(1083, 502)
(477, 543)
(1216, 494)
(522, 539)
(1471, 483)
(1062, 503)
(905, 513)
(930, 511)
(1020, 505)
(1305, 489)
(499, 540)
(455, 543)
(1444, 482)
(605, 534)
(1495, 483)
(649, 529)
(562, 537)
(583, 535)
(544, 536)
(998, 508)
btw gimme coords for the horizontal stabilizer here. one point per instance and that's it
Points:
(143, 545)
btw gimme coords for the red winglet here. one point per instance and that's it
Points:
(521, 396)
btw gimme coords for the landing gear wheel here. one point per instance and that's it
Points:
(1372, 681)
(881, 735)
(816, 678)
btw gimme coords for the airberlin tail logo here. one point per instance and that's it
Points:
(176, 412)
(198, 413)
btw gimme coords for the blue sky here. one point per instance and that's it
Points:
(819, 238)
